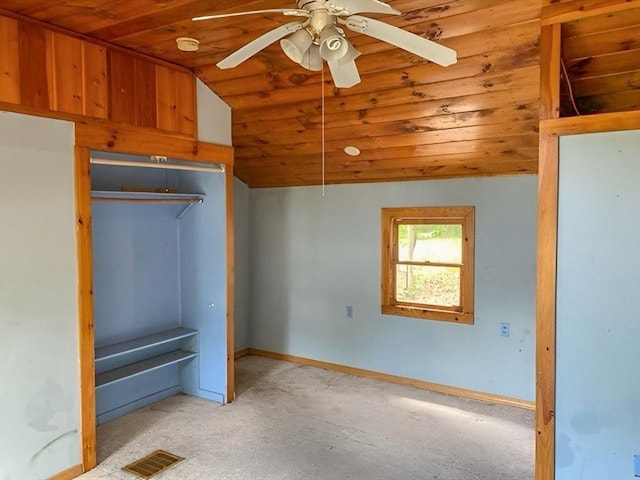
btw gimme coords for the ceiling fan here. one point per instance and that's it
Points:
(319, 37)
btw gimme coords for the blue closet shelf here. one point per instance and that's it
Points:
(138, 368)
(116, 195)
(140, 343)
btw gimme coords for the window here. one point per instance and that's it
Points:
(427, 262)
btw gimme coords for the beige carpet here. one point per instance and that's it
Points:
(295, 422)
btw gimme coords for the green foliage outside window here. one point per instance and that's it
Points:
(429, 243)
(423, 232)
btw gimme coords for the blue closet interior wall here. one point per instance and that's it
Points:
(136, 270)
(203, 267)
(153, 272)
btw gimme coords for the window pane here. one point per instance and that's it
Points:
(430, 243)
(429, 285)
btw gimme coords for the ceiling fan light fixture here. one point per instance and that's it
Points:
(351, 55)
(324, 38)
(312, 59)
(296, 45)
(333, 46)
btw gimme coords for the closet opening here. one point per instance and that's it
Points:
(159, 281)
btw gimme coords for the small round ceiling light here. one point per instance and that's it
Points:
(187, 44)
(351, 150)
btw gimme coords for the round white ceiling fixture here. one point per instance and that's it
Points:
(187, 44)
(351, 150)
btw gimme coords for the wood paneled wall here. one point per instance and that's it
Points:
(600, 50)
(51, 71)
(602, 58)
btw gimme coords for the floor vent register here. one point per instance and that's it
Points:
(153, 464)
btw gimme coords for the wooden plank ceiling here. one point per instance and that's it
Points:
(601, 56)
(411, 119)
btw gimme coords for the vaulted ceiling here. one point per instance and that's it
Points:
(410, 118)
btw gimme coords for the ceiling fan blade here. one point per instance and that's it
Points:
(345, 74)
(260, 43)
(351, 7)
(400, 38)
(284, 11)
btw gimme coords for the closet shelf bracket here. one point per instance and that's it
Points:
(186, 209)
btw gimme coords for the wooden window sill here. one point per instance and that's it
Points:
(428, 314)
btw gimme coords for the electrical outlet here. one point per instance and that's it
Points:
(349, 311)
(504, 329)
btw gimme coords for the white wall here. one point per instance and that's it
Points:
(312, 255)
(598, 307)
(39, 415)
(214, 116)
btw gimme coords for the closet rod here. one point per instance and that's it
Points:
(155, 164)
(147, 200)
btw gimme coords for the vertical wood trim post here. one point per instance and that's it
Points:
(546, 256)
(85, 309)
(231, 389)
